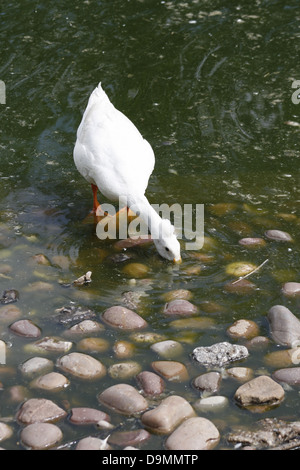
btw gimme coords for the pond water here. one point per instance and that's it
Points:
(209, 84)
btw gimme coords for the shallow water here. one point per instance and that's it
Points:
(209, 84)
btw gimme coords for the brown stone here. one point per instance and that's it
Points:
(124, 399)
(171, 370)
(123, 318)
(39, 410)
(194, 434)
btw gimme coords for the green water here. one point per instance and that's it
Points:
(209, 84)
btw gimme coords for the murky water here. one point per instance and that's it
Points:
(209, 84)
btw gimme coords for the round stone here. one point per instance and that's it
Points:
(123, 318)
(167, 349)
(35, 366)
(124, 399)
(243, 329)
(194, 434)
(82, 366)
(278, 235)
(168, 414)
(240, 268)
(124, 370)
(25, 328)
(260, 390)
(84, 416)
(40, 436)
(92, 443)
(136, 270)
(208, 382)
(123, 349)
(39, 410)
(172, 371)
(5, 431)
(52, 382)
(9, 313)
(291, 289)
(180, 307)
(251, 242)
(151, 383)
(214, 403)
(290, 375)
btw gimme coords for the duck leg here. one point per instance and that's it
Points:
(95, 200)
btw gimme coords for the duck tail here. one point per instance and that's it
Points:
(98, 95)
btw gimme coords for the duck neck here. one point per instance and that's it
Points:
(147, 213)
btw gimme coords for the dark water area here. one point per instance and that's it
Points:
(210, 85)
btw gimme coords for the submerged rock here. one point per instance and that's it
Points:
(259, 391)
(123, 318)
(41, 436)
(124, 399)
(39, 410)
(208, 382)
(82, 366)
(270, 433)
(284, 326)
(9, 296)
(278, 235)
(219, 354)
(168, 414)
(194, 434)
(72, 314)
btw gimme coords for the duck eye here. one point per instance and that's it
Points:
(167, 249)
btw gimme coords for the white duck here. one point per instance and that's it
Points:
(113, 157)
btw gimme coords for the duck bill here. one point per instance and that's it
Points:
(177, 261)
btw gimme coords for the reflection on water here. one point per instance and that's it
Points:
(210, 86)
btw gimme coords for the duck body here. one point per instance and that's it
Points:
(110, 151)
(111, 154)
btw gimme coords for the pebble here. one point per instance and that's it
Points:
(82, 366)
(132, 242)
(135, 437)
(283, 357)
(123, 318)
(168, 414)
(290, 375)
(278, 235)
(182, 294)
(243, 329)
(49, 344)
(93, 345)
(123, 349)
(242, 374)
(195, 323)
(252, 242)
(260, 390)
(35, 366)
(72, 314)
(242, 286)
(151, 384)
(16, 394)
(124, 399)
(167, 349)
(240, 268)
(5, 431)
(85, 327)
(149, 337)
(41, 436)
(208, 382)
(9, 313)
(136, 270)
(54, 382)
(84, 416)
(291, 289)
(284, 326)
(180, 307)
(219, 354)
(9, 296)
(172, 371)
(124, 370)
(25, 328)
(214, 403)
(194, 434)
(39, 410)
(258, 342)
(92, 443)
